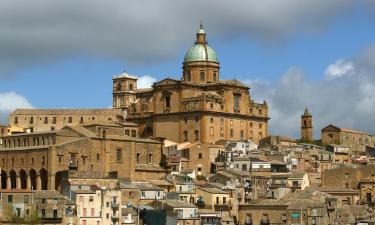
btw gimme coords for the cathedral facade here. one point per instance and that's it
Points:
(200, 107)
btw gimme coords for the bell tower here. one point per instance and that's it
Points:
(306, 126)
(124, 94)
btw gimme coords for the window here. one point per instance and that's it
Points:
(81, 120)
(32, 161)
(196, 119)
(97, 157)
(91, 198)
(133, 133)
(70, 119)
(347, 176)
(199, 155)
(221, 132)
(215, 76)
(43, 160)
(107, 204)
(118, 155)
(202, 76)
(60, 159)
(15, 120)
(185, 135)
(43, 213)
(150, 157)
(138, 157)
(211, 131)
(211, 120)
(260, 125)
(188, 75)
(92, 212)
(248, 219)
(45, 120)
(231, 133)
(31, 121)
(196, 132)
(224, 200)
(241, 134)
(10, 198)
(55, 213)
(84, 212)
(54, 119)
(167, 102)
(143, 194)
(236, 100)
(185, 119)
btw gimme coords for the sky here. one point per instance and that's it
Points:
(293, 53)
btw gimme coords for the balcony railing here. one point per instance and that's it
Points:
(115, 204)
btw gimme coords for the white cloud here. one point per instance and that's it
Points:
(145, 81)
(348, 102)
(10, 101)
(339, 69)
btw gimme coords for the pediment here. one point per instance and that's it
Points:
(331, 128)
(167, 81)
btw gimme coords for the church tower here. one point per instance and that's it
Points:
(306, 126)
(124, 86)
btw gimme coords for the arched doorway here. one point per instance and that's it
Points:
(23, 179)
(62, 182)
(13, 179)
(3, 179)
(147, 132)
(43, 179)
(32, 175)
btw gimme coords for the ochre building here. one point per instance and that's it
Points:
(358, 141)
(46, 160)
(200, 107)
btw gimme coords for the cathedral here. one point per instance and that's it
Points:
(200, 107)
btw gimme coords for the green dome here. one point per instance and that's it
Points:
(200, 52)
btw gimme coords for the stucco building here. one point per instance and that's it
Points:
(200, 107)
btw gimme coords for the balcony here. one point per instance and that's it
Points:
(115, 204)
(264, 221)
(221, 203)
(115, 216)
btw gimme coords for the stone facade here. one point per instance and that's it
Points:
(356, 140)
(45, 160)
(40, 120)
(198, 108)
(348, 176)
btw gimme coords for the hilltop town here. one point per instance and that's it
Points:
(191, 151)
